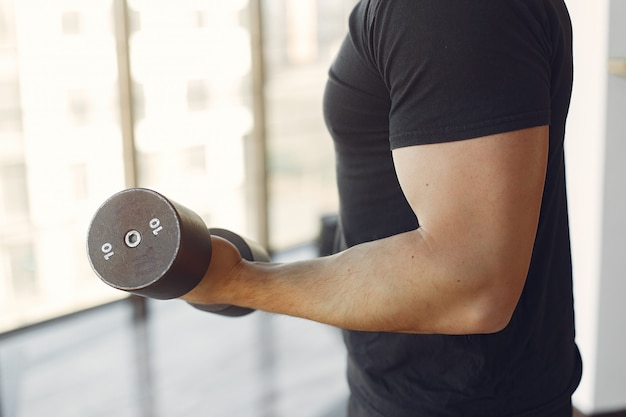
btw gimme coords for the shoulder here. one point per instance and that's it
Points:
(436, 18)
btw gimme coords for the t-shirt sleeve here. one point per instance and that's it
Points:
(457, 69)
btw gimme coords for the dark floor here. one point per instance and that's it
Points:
(196, 364)
(183, 362)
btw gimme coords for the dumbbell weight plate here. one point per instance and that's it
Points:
(143, 243)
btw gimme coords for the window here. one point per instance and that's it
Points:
(78, 107)
(71, 23)
(10, 112)
(13, 191)
(300, 44)
(60, 153)
(6, 32)
(21, 259)
(200, 18)
(65, 148)
(198, 95)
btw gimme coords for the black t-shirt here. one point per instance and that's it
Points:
(413, 72)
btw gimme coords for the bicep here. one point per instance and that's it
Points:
(478, 202)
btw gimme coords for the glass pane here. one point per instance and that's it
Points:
(190, 64)
(84, 365)
(301, 38)
(60, 152)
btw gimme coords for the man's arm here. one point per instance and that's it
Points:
(461, 272)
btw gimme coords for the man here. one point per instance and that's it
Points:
(448, 119)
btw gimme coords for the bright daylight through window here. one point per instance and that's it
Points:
(190, 77)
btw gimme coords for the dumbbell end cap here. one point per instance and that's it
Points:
(140, 242)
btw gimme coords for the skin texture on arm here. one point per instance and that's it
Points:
(461, 272)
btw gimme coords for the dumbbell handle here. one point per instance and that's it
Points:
(143, 243)
(250, 251)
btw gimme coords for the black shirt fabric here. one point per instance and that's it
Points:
(414, 72)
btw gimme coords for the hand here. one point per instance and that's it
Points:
(225, 263)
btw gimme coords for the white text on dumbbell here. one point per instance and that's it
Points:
(107, 248)
(155, 225)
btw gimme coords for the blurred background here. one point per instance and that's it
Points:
(217, 105)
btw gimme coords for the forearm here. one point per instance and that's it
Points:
(405, 283)
(357, 289)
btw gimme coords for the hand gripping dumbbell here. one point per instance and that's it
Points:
(143, 243)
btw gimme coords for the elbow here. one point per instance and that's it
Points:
(492, 312)
(493, 299)
(478, 314)
(490, 321)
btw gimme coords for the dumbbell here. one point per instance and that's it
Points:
(141, 242)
